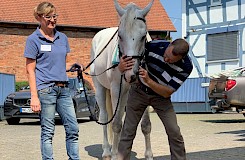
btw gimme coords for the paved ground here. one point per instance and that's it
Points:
(207, 137)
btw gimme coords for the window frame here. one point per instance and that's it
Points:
(215, 3)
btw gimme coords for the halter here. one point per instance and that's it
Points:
(140, 57)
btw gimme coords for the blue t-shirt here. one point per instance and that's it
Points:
(50, 57)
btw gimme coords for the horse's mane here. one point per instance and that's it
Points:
(127, 19)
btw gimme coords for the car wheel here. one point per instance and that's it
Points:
(13, 121)
(96, 113)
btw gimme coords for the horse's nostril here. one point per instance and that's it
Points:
(133, 78)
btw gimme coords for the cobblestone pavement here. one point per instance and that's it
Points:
(207, 137)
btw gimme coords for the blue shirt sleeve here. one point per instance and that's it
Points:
(31, 49)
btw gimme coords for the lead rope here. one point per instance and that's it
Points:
(80, 76)
(119, 95)
(98, 56)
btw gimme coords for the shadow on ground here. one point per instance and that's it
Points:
(95, 151)
(57, 122)
(225, 121)
(238, 133)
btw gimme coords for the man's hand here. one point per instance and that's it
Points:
(162, 90)
(144, 75)
(126, 63)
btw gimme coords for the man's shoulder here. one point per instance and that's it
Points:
(157, 46)
(158, 43)
(188, 63)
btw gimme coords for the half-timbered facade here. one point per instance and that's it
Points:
(215, 30)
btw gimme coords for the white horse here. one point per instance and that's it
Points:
(129, 38)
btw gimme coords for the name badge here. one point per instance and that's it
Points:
(46, 48)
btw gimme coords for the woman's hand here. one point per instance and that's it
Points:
(35, 104)
(126, 63)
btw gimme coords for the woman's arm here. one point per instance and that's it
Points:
(30, 70)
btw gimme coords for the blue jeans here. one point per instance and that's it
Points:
(58, 99)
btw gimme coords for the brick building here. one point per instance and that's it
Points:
(80, 20)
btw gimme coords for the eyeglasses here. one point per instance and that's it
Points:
(49, 17)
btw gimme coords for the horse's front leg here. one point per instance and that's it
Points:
(116, 128)
(146, 130)
(117, 122)
(103, 118)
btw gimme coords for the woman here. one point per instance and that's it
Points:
(45, 52)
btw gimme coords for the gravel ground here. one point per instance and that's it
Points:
(207, 137)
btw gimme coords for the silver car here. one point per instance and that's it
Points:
(227, 91)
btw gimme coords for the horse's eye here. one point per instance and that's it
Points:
(143, 38)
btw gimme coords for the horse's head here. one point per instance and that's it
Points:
(132, 33)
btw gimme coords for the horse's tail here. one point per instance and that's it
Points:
(110, 114)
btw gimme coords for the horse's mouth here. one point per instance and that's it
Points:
(131, 79)
(131, 76)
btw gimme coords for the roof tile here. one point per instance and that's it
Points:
(85, 13)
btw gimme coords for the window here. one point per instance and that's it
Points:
(222, 46)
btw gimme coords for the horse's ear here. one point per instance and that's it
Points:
(147, 8)
(119, 9)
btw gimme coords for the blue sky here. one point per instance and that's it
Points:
(173, 8)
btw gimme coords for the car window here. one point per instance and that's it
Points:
(88, 85)
(71, 83)
(25, 88)
(243, 73)
(75, 84)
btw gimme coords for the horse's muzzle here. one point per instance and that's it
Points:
(130, 78)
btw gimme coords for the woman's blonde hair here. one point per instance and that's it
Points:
(44, 8)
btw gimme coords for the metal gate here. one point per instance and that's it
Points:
(192, 96)
(7, 86)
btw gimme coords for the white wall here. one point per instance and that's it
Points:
(231, 9)
(242, 8)
(216, 16)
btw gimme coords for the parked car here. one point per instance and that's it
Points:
(17, 104)
(227, 91)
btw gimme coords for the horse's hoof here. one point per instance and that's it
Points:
(149, 158)
(107, 158)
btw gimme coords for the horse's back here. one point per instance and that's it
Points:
(101, 41)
